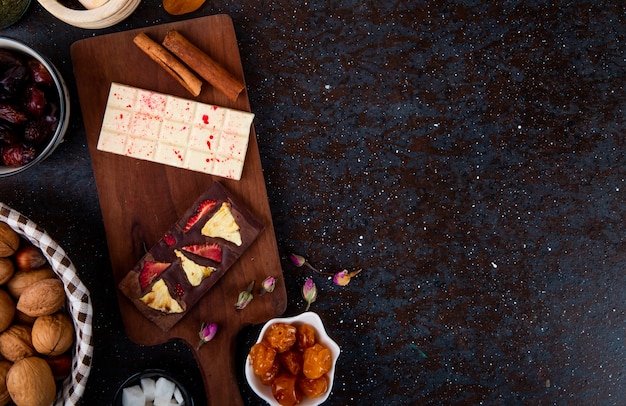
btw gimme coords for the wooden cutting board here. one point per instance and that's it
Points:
(141, 200)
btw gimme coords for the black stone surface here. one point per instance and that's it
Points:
(468, 155)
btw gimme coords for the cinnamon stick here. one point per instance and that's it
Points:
(172, 65)
(203, 65)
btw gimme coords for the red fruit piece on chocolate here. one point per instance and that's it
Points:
(179, 290)
(210, 251)
(169, 239)
(150, 271)
(203, 208)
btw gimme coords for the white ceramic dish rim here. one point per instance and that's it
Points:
(64, 104)
(312, 318)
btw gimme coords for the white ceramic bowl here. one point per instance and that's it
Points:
(265, 391)
(63, 99)
(78, 303)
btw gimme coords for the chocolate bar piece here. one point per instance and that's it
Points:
(174, 131)
(191, 257)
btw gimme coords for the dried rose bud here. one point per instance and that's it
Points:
(343, 278)
(245, 297)
(309, 292)
(297, 260)
(207, 332)
(267, 286)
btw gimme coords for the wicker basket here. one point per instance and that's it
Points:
(78, 303)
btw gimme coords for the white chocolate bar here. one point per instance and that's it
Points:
(174, 131)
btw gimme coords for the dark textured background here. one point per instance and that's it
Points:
(468, 156)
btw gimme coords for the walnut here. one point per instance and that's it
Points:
(6, 270)
(53, 334)
(9, 240)
(5, 398)
(23, 279)
(7, 310)
(30, 382)
(42, 298)
(16, 343)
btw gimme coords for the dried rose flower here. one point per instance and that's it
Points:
(207, 332)
(343, 278)
(267, 286)
(299, 260)
(309, 292)
(245, 297)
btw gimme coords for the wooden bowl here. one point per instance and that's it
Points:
(103, 15)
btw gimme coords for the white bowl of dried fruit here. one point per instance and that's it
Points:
(293, 361)
(45, 317)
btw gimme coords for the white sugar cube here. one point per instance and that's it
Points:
(149, 386)
(133, 396)
(163, 392)
(179, 397)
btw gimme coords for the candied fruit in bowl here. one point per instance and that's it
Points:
(281, 336)
(317, 361)
(285, 391)
(262, 358)
(300, 370)
(305, 336)
(313, 388)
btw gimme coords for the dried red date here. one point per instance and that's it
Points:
(37, 131)
(11, 115)
(9, 59)
(29, 108)
(39, 73)
(12, 80)
(35, 100)
(18, 154)
(7, 134)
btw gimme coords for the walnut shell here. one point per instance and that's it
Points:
(21, 318)
(5, 398)
(22, 280)
(42, 298)
(7, 269)
(30, 382)
(7, 310)
(16, 343)
(9, 240)
(53, 334)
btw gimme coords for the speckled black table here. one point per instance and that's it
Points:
(468, 156)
